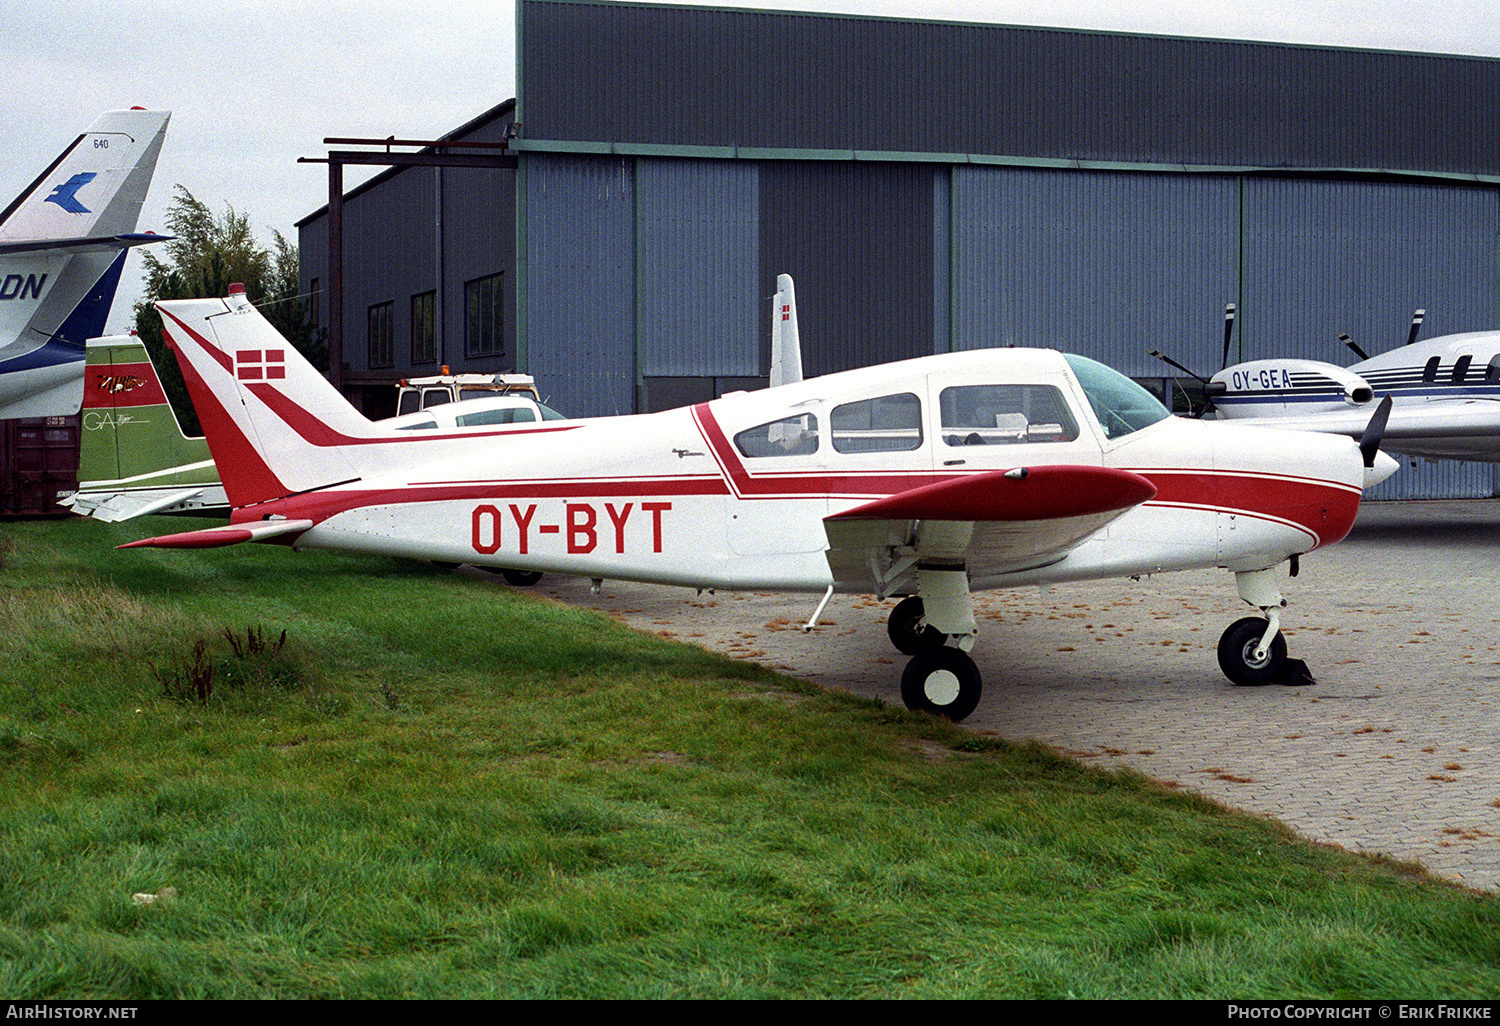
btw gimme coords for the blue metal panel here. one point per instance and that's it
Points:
(1444, 480)
(580, 267)
(1324, 257)
(700, 260)
(1107, 265)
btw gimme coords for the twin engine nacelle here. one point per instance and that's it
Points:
(1302, 386)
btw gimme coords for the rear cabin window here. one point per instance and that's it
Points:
(790, 436)
(1005, 415)
(889, 423)
(505, 415)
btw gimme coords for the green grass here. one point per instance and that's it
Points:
(442, 787)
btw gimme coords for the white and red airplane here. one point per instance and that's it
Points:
(926, 478)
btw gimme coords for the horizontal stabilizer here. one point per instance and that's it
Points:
(103, 244)
(217, 537)
(115, 506)
(1035, 493)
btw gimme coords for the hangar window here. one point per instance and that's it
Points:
(1005, 415)
(484, 311)
(790, 436)
(889, 423)
(378, 335)
(424, 327)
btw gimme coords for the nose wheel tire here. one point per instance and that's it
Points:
(520, 578)
(909, 630)
(941, 681)
(1237, 653)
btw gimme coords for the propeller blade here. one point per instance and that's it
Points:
(1229, 310)
(1416, 326)
(1354, 346)
(1369, 442)
(1174, 363)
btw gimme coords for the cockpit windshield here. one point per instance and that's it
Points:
(1120, 405)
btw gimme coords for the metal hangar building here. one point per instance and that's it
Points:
(931, 186)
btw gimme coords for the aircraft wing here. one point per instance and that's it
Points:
(1458, 417)
(992, 523)
(217, 537)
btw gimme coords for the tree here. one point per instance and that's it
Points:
(205, 256)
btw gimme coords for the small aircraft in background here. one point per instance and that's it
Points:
(927, 478)
(62, 247)
(1445, 393)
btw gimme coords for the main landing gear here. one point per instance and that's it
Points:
(943, 680)
(940, 679)
(1252, 651)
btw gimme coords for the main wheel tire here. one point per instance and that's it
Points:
(909, 630)
(1237, 653)
(941, 681)
(521, 578)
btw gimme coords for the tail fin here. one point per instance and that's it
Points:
(134, 458)
(62, 244)
(786, 344)
(275, 426)
(94, 189)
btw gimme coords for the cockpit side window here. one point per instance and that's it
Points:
(1120, 405)
(1492, 372)
(789, 436)
(1005, 415)
(1461, 369)
(1429, 372)
(888, 423)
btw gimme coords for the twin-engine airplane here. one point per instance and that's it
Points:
(1445, 394)
(926, 478)
(62, 247)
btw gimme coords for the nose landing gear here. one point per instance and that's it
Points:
(1252, 650)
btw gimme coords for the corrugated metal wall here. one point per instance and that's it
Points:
(581, 279)
(937, 186)
(1109, 265)
(700, 261)
(1324, 257)
(858, 241)
(388, 236)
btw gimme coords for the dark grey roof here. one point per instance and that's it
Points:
(639, 78)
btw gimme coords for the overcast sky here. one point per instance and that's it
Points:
(255, 84)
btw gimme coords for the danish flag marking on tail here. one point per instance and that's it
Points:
(260, 364)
